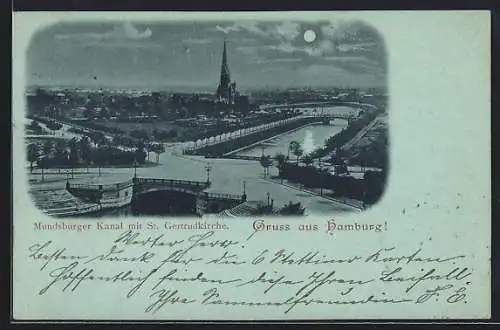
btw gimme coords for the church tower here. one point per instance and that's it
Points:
(225, 93)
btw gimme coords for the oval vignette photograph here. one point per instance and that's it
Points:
(206, 118)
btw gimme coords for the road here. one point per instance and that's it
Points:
(226, 175)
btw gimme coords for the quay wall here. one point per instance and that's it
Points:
(224, 147)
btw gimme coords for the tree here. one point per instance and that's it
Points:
(338, 162)
(159, 149)
(149, 148)
(297, 151)
(266, 162)
(73, 154)
(60, 150)
(307, 160)
(98, 138)
(35, 127)
(97, 157)
(85, 150)
(139, 134)
(373, 184)
(140, 153)
(33, 151)
(47, 147)
(292, 209)
(280, 164)
(54, 126)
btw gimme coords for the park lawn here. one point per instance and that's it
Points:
(149, 127)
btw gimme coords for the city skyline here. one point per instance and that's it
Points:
(160, 56)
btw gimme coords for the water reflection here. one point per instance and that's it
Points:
(308, 144)
(310, 138)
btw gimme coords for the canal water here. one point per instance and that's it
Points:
(310, 137)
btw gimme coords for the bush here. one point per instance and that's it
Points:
(54, 126)
(139, 134)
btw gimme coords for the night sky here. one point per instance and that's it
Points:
(187, 55)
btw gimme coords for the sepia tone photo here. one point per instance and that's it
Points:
(220, 118)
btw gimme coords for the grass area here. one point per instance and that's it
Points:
(159, 130)
(147, 126)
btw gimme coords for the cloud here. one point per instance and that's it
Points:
(348, 59)
(343, 31)
(252, 27)
(321, 48)
(124, 31)
(276, 60)
(335, 30)
(123, 44)
(328, 75)
(201, 41)
(248, 49)
(247, 40)
(335, 37)
(355, 64)
(284, 47)
(356, 47)
(282, 31)
(131, 32)
(287, 30)
(226, 29)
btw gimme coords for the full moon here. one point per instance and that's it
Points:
(309, 36)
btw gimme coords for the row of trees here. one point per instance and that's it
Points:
(295, 149)
(374, 154)
(83, 152)
(34, 127)
(368, 190)
(38, 129)
(158, 135)
(337, 141)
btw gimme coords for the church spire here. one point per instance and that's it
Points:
(225, 90)
(224, 72)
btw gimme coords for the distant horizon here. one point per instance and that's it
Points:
(192, 89)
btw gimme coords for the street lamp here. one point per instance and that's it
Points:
(321, 176)
(208, 168)
(135, 168)
(43, 178)
(244, 196)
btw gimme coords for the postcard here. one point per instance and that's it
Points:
(251, 165)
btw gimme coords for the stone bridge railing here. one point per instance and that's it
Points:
(171, 182)
(221, 196)
(94, 192)
(142, 185)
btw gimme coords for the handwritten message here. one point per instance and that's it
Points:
(158, 268)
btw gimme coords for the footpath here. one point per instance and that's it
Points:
(360, 134)
(352, 203)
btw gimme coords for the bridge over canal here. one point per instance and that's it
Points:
(165, 196)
